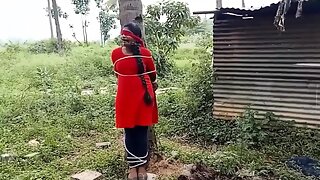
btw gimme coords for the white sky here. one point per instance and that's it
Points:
(26, 20)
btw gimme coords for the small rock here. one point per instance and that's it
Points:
(104, 90)
(33, 143)
(31, 155)
(6, 157)
(190, 167)
(245, 173)
(103, 145)
(87, 175)
(174, 153)
(87, 92)
(257, 178)
(186, 173)
(151, 176)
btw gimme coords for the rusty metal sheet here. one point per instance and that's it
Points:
(269, 71)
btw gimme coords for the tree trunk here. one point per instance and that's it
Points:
(131, 11)
(219, 4)
(50, 19)
(101, 38)
(243, 4)
(58, 29)
(85, 30)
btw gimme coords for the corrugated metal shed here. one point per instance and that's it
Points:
(268, 70)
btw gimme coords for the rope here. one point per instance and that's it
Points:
(134, 158)
(132, 75)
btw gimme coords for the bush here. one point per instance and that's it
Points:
(187, 113)
(41, 99)
(9, 52)
(48, 46)
(13, 47)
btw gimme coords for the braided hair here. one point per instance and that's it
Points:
(135, 49)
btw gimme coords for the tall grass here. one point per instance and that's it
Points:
(40, 99)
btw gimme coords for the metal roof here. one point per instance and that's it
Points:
(259, 67)
(309, 6)
(234, 9)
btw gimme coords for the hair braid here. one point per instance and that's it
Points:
(135, 49)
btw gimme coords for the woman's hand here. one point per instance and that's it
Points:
(155, 86)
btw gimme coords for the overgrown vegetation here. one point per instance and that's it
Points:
(43, 97)
(247, 146)
(48, 46)
(165, 25)
(57, 102)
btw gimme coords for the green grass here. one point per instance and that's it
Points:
(185, 56)
(66, 124)
(40, 98)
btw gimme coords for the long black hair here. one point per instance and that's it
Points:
(135, 49)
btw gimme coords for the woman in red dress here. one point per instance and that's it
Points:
(136, 106)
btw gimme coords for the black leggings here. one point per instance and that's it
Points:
(136, 145)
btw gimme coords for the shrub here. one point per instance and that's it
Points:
(188, 113)
(9, 52)
(48, 46)
(13, 47)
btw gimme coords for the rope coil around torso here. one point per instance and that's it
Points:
(131, 75)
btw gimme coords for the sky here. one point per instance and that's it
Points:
(23, 20)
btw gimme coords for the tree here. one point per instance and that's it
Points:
(107, 19)
(205, 26)
(82, 8)
(74, 34)
(243, 4)
(50, 19)
(61, 13)
(166, 23)
(51, 15)
(219, 4)
(131, 11)
(58, 29)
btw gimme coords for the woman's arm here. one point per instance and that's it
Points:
(114, 56)
(150, 66)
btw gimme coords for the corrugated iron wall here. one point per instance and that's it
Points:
(258, 66)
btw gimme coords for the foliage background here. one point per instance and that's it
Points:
(41, 98)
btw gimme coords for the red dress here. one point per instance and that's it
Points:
(131, 110)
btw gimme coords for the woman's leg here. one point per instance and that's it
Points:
(136, 145)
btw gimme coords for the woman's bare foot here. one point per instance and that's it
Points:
(133, 174)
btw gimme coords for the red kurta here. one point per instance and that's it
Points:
(131, 110)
